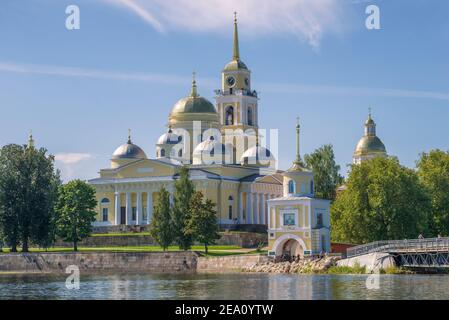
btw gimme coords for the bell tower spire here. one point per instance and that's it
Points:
(236, 50)
(298, 153)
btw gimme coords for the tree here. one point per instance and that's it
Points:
(28, 188)
(184, 190)
(202, 224)
(433, 172)
(75, 210)
(326, 172)
(383, 201)
(161, 228)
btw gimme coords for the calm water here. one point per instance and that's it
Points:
(227, 287)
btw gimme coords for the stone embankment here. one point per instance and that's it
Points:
(308, 265)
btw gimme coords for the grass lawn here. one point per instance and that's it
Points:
(212, 249)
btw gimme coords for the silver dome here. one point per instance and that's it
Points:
(129, 151)
(169, 138)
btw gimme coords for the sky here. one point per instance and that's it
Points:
(131, 60)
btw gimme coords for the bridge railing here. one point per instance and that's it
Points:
(413, 245)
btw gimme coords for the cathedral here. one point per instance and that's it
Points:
(220, 144)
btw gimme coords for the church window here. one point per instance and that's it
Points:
(105, 214)
(229, 116)
(231, 202)
(250, 116)
(319, 220)
(162, 153)
(291, 187)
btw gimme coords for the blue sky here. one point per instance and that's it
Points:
(80, 91)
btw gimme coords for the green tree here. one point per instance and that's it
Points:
(202, 224)
(433, 172)
(161, 228)
(28, 188)
(184, 190)
(383, 201)
(75, 210)
(325, 171)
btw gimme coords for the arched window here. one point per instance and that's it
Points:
(291, 187)
(105, 201)
(162, 153)
(231, 202)
(229, 116)
(250, 116)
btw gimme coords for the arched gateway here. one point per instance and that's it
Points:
(289, 244)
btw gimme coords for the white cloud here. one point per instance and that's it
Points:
(307, 19)
(98, 74)
(72, 158)
(170, 79)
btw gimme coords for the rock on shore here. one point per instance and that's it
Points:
(306, 265)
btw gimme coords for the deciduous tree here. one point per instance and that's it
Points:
(202, 224)
(383, 201)
(325, 170)
(433, 172)
(75, 210)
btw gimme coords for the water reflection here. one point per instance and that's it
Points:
(226, 287)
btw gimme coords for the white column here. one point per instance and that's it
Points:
(262, 209)
(240, 208)
(128, 209)
(269, 216)
(118, 208)
(139, 209)
(249, 209)
(149, 206)
(257, 209)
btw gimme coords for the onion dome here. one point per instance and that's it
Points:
(169, 138)
(129, 151)
(210, 151)
(257, 156)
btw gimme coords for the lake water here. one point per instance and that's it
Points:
(227, 287)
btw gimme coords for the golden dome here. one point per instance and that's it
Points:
(368, 145)
(193, 103)
(235, 65)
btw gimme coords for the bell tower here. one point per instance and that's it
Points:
(237, 103)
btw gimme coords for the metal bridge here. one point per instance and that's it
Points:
(416, 253)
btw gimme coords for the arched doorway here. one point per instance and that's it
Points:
(289, 244)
